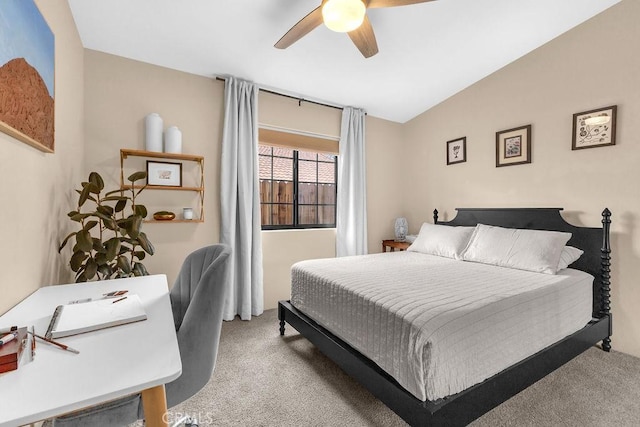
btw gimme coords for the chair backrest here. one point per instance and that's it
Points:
(197, 299)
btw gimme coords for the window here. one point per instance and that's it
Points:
(297, 188)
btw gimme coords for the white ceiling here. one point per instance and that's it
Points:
(428, 51)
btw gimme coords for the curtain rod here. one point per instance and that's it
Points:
(300, 100)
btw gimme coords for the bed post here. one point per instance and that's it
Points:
(281, 317)
(435, 216)
(606, 274)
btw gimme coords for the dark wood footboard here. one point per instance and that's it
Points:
(456, 410)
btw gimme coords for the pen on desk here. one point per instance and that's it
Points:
(80, 301)
(7, 330)
(62, 346)
(115, 294)
(5, 339)
(33, 342)
(119, 299)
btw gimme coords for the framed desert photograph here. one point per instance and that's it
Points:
(27, 68)
(595, 128)
(165, 174)
(457, 151)
(513, 146)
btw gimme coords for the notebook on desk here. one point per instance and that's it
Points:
(72, 319)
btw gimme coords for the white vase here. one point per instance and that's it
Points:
(153, 132)
(401, 229)
(173, 140)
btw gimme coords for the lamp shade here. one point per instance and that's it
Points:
(343, 16)
(401, 227)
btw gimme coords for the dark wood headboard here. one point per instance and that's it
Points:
(596, 259)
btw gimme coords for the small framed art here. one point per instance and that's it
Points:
(165, 174)
(595, 128)
(457, 151)
(513, 146)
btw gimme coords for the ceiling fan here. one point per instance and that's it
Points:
(344, 16)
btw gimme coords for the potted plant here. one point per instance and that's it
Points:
(110, 243)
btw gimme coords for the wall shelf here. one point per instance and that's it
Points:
(125, 152)
(161, 187)
(174, 220)
(199, 160)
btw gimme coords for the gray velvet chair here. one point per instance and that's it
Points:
(197, 298)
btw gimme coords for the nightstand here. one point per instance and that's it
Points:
(393, 245)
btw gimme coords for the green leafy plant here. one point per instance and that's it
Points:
(109, 243)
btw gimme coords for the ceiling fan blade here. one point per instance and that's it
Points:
(392, 3)
(301, 29)
(364, 39)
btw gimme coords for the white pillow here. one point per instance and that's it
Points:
(442, 240)
(568, 256)
(532, 250)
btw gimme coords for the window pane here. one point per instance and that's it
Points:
(322, 157)
(283, 192)
(265, 214)
(307, 171)
(264, 166)
(307, 214)
(327, 194)
(307, 194)
(265, 191)
(327, 172)
(264, 149)
(283, 152)
(283, 169)
(307, 155)
(282, 214)
(327, 215)
(315, 181)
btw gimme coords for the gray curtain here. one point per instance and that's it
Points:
(240, 200)
(351, 215)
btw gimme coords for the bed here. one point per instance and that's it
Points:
(458, 397)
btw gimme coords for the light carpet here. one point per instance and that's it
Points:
(263, 379)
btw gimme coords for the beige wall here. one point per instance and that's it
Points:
(36, 192)
(589, 67)
(286, 113)
(118, 94)
(386, 186)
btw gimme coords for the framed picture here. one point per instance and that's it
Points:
(595, 128)
(166, 174)
(457, 151)
(513, 146)
(27, 68)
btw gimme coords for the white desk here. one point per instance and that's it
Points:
(113, 362)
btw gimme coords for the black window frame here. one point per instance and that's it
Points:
(296, 225)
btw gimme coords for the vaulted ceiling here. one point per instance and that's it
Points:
(427, 51)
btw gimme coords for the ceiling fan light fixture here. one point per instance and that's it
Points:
(343, 16)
